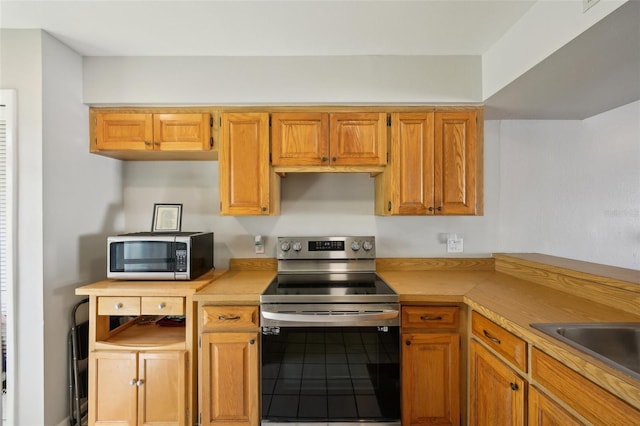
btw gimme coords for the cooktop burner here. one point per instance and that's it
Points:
(329, 288)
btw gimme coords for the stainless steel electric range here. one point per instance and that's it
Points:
(330, 336)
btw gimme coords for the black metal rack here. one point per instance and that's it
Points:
(78, 366)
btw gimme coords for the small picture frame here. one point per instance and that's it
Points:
(167, 218)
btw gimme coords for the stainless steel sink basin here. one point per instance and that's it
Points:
(615, 344)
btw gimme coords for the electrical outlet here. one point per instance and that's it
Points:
(259, 244)
(455, 244)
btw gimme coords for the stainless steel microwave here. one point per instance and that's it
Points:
(159, 256)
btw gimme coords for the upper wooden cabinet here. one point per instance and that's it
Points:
(435, 165)
(314, 139)
(247, 184)
(152, 135)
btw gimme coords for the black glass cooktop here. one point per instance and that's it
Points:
(333, 287)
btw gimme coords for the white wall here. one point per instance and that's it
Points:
(82, 195)
(572, 188)
(288, 80)
(67, 203)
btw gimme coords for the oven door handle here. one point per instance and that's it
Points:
(329, 317)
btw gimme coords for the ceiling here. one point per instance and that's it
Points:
(597, 71)
(269, 27)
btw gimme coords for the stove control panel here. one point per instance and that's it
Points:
(291, 248)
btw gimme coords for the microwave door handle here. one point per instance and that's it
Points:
(329, 317)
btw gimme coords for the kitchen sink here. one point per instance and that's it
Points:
(615, 344)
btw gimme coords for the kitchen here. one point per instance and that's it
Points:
(560, 219)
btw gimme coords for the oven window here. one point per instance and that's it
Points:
(331, 374)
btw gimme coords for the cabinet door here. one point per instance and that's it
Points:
(162, 389)
(456, 167)
(118, 132)
(300, 139)
(545, 412)
(409, 184)
(229, 393)
(112, 388)
(182, 132)
(431, 379)
(358, 139)
(497, 394)
(244, 164)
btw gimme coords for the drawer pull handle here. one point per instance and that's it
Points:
(490, 337)
(513, 386)
(118, 306)
(139, 383)
(228, 318)
(162, 305)
(428, 318)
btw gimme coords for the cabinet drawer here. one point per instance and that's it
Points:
(511, 347)
(594, 403)
(162, 305)
(229, 317)
(108, 305)
(430, 317)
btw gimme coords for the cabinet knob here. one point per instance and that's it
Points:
(513, 386)
(323, 159)
(132, 382)
(333, 159)
(439, 208)
(430, 209)
(408, 342)
(252, 341)
(147, 143)
(162, 305)
(389, 206)
(118, 306)
(139, 383)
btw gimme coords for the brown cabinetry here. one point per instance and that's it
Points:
(497, 393)
(140, 371)
(138, 388)
(123, 134)
(435, 165)
(543, 411)
(329, 139)
(430, 365)
(248, 185)
(229, 365)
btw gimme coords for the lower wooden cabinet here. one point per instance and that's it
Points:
(497, 393)
(229, 388)
(543, 411)
(430, 365)
(431, 379)
(138, 388)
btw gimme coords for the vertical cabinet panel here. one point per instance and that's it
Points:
(455, 165)
(543, 411)
(498, 394)
(244, 164)
(162, 394)
(230, 391)
(431, 379)
(300, 139)
(113, 395)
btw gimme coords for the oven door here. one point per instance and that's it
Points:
(319, 373)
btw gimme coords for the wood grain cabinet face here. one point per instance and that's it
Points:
(430, 365)
(137, 388)
(153, 132)
(497, 394)
(543, 411)
(510, 346)
(247, 184)
(229, 390)
(435, 165)
(328, 139)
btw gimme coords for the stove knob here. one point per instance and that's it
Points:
(355, 246)
(285, 246)
(367, 245)
(297, 246)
